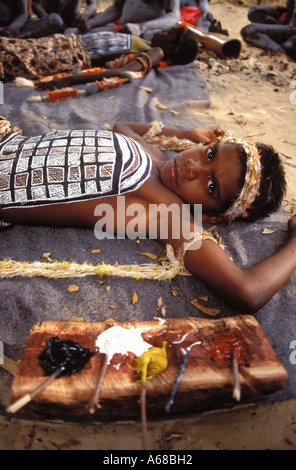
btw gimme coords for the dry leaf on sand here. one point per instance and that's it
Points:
(149, 255)
(135, 297)
(208, 311)
(73, 288)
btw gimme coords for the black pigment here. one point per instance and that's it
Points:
(63, 353)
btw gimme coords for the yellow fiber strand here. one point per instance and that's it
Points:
(57, 269)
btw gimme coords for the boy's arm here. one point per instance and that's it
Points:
(90, 9)
(38, 9)
(196, 135)
(82, 17)
(248, 289)
(110, 15)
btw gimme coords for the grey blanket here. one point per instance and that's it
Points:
(26, 301)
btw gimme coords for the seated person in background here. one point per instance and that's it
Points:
(266, 14)
(68, 10)
(141, 17)
(272, 28)
(82, 18)
(13, 16)
(58, 53)
(15, 21)
(233, 179)
(196, 12)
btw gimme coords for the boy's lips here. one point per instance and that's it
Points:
(174, 172)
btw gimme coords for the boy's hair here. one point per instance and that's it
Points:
(272, 185)
(186, 50)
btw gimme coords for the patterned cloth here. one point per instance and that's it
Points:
(35, 58)
(67, 166)
(106, 43)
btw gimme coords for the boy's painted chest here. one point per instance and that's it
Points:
(67, 166)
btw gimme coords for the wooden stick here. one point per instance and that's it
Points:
(21, 402)
(94, 402)
(144, 417)
(236, 392)
(179, 377)
(178, 380)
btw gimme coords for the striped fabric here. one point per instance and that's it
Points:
(67, 166)
(106, 43)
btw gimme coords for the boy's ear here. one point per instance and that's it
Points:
(218, 219)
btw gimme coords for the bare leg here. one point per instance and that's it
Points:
(290, 46)
(268, 37)
(264, 14)
(37, 28)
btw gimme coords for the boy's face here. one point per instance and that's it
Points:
(207, 175)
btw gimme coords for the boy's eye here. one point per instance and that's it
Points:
(210, 153)
(211, 186)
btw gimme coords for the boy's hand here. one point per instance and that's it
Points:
(292, 227)
(82, 24)
(205, 135)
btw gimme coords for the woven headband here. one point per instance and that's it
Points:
(251, 185)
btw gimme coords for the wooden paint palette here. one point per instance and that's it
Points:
(206, 384)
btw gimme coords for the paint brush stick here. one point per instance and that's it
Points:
(236, 392)
(94, 402)
(23, 401)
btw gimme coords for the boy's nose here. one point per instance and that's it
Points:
(194, 169)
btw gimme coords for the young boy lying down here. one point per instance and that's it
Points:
(62, 178)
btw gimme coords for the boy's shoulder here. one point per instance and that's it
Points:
(153, 191)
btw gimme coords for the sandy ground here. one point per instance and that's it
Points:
(252, 94)
(249, 95)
